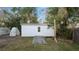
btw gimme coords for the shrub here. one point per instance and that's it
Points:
(64, 33)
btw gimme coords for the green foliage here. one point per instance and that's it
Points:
(72, 11)
(64, 33)
(62, 14)
(28, 13)
(18, 15)
(52, 13)
(14, 22)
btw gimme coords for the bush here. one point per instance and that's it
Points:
(64, 33)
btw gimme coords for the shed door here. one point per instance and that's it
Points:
(39, 29)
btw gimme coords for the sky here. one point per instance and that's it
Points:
(41, 13)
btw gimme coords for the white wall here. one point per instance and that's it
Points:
(32, 30)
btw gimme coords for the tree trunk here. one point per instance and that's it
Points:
(73, 28)
(55, 31)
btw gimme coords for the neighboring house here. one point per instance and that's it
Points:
(31, 30)
(4, 31)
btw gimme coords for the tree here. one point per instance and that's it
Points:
(19, 14)
(52, 12)
(73, 14)
(13, 19)
(62, 16)
(62, 22)
(2, 18)
(28, 13)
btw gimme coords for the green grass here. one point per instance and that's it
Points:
(25, 44)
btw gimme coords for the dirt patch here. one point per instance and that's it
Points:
(4, 40)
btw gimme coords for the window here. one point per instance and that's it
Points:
(38, 29)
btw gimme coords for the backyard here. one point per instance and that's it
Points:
(25, 44)
(38, 21)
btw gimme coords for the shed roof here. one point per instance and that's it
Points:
(33, 24)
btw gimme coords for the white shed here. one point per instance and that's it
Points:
(31, 30)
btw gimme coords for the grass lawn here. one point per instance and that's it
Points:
(25, 44)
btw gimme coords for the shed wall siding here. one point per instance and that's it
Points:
(32, 30)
